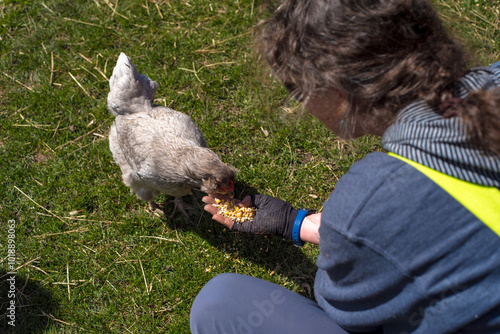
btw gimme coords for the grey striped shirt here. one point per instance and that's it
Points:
(421, 134)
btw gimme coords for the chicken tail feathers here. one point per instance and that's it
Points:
(129, 91)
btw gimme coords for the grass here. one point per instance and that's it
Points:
(89, 256)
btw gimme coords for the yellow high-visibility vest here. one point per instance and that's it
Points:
(482, 201)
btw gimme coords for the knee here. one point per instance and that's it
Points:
(214, 292)
(212, 302)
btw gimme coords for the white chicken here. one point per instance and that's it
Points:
(159, 150)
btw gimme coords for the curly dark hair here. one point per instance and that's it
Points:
(382, 54)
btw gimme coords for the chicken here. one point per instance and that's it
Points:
(159, 150)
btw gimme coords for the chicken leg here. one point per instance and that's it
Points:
(180, 205)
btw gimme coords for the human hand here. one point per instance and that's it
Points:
(273, 216)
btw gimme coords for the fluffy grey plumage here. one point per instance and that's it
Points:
(159, 150)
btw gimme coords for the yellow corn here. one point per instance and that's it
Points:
(234, 212)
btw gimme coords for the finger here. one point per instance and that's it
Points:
(223, 220)
(221, 196)
(211, 209)
(246, 202)
(216, 216)
(208, 200)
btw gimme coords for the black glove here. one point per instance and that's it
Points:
(273, 216)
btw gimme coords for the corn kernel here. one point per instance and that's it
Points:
(234, 212)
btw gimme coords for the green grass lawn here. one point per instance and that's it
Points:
(89, 256)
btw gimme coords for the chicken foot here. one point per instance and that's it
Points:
(180, 205)
(153, 206)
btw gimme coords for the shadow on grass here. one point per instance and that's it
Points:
(33, 306)
(279, 256)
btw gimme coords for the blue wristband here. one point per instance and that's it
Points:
(297, 224)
